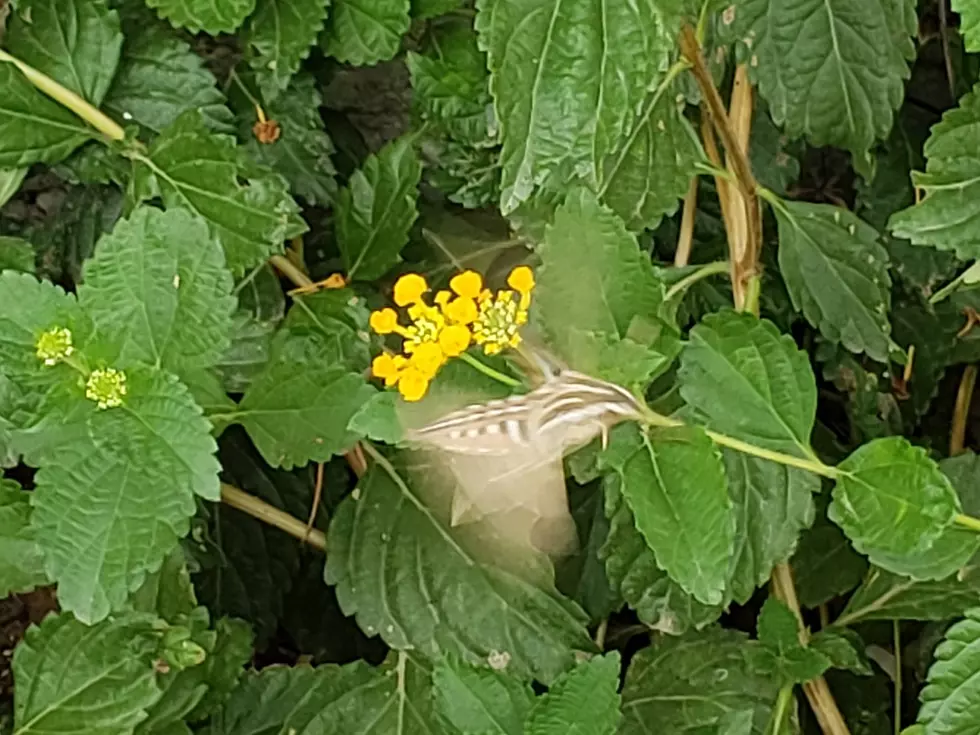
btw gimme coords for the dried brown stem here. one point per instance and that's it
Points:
(957, 432)
(285, 266)
(686, 237)
(261, 510)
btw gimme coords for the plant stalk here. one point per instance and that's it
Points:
(961, 410)
(489, 371)
(685, 238)
(705, 271)
(64, 96)
(897, 642)
(269, 514)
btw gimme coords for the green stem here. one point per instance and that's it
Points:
(949, 288)
(89, 113)
(753, 290)
(896, 638)
(489, 371)
(711, 269)
(779, 711)
(967, 522)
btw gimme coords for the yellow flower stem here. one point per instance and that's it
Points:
(489, 371)
(90, 114)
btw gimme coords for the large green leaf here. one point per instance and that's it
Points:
(674, 482)
(836, 273)
(893, 502)
(297, 410)
(211, 16)
(21, 560)
(16, 254)
(302, 151)
(408, 577)
(594, 284)
(951, 698)
(772, 505)
(376, 209)
(969, 11)
(947, 215)
(632, 569)
(334, 321)
(33, 127)
(682, 684)
(831, 70)
(568, 83)
(281, 34)
(394, 698)
(781, 651)
(158, 289)
(10, 181)
(159, 78)
(479, 699)
(887, 596)
(584, 700)
(364, 32)
(246, 206)
(72, 678)
(825, 564)
(750, 382)
(116, 487)
(75, 42)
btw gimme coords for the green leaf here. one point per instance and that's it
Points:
(10, 181)
(892, 501)
(775, 160)
(302, 152)
(825, 564)
(832, 71)
(108, 508)
(451, 84)
(946, 216)
(750, 382)
(969, 12)
(887, 596)
(297, 411)
(73, 678)
(394, 562)
(781, 652)
(33, 127)
(481, 700)
(158, 288)
(668, 684)
(16, 255)
(167, 592)
(378, 419)
(262, 306)
(224, 665)
(836, 273)
(594, 283)
(160, 78)
(334, 321)
(376, 209)
(364, 32)
(21, 559)
(281, 34)
(75, 42)
(210, 16)
(772, 504)
(633, 571)
(572, 93)
(844, 648)
(674, 482)
(423, 9)
(583, 700)
(192, 168)
(949, 699)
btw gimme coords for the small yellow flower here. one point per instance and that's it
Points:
(54, 345)
(387, 367)
(384, 321)
(497, 325)
(427, 358)
(521, 279)
(409, 289)
(467, 284)
(461, 310)
(442, 297)
(413, 384)
(106, 387)
(454, 340)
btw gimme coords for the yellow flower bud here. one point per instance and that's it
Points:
(413, 384)
(384, 321)
(106, 387)
(54, 345)
(388, 367)
(467, 284)
(454, 339)
(409, 289)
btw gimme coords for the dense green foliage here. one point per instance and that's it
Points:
(758, 217)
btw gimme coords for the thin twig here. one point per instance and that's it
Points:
(961, 410)
(317, 495)
(285, 266)
(685, 238)
(261, 510)
(600, 634)
(897, 641)
(944, 40)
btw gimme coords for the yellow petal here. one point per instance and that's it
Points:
(467, 284)
(384, 321)
(409, 289)
(413, 385)
(521, 279)
(461, 310)
(442, 297)
(454, 340)
(427, 358)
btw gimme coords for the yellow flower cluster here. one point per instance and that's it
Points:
(466, 314)
(105, 386)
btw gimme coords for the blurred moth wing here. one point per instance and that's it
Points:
(505, 456)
